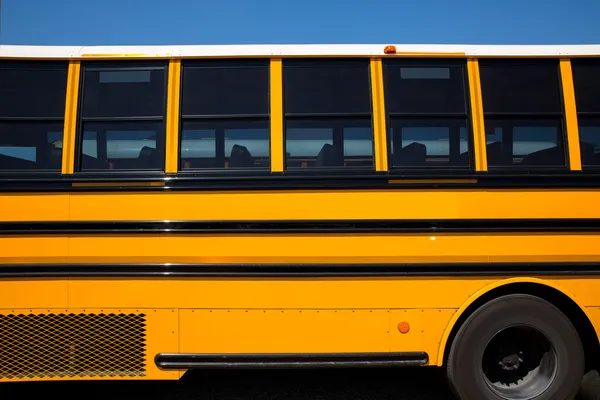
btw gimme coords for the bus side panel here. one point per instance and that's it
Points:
(585, 288)
(34, 249)
(426, 329)
(33, 293)
(339, 204)
(273, 293)
(284, 331)
(334, 248)
(34, 207)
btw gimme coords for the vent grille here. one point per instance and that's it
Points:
(72, 345)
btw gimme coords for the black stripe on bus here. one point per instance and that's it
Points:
(175, 270)
(197, 181)
(567, 225)
(288, 360)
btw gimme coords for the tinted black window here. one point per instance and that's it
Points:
(219, 144)
(32, 108)
(327, 107)
(127, 92)
(425, 88)
(528, 142)
(225, 88)
(329, 143)
(128, 145)
(589, 136)
(429, 142)
(427, 114)
(326, 87)
(520, 86)
(31, 145)
(33, 89)
(123, 114)
(586, 78)
(225, 115)
(522, 106)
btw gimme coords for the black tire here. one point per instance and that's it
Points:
(516, 320)
(590, 386)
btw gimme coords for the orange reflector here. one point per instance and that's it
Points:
(390, 50)
(403, 327)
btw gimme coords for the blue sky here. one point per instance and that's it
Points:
(120, 22)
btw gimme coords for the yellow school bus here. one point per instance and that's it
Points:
(184, 207)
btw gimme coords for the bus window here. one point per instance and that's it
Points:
(586, 79)
(32, 106)
(427, 113)
(327, 108)
(225, 115)
(523, 113)
(122, 114)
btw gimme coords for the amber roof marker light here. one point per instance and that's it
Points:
(390, 50)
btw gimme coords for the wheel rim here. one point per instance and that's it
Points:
(519, 363)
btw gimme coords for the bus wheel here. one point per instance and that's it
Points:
(516, 347)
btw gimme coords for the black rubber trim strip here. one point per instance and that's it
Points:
(195, 181)
(163, 270)
(301, 360)
(568, 225)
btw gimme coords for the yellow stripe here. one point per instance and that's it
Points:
(566, 74)
(477, 120)
(379, 128)
(118, 184)
(276, 89)
(173, 98)
(70, 123)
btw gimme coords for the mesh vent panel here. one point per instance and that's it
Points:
(72, 345)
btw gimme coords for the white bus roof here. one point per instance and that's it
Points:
(312, 50)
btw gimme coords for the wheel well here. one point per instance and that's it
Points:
(578, 318)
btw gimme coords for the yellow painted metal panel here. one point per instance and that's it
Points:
(477, 121)
(173, 100)
(427, 326)
(34, 207)
(379, 116)
(284, 331)
(593, 314)
(586, 289)
(273, 293)
(33, 249)
(343, 204)
(70, 122)
(277, 129)
(33, 293)
(368, 248)
(568, 91)
(343, 249)
(162, 337)
(255, 315)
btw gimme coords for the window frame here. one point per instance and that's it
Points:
(161, 140)
(224, 119)
(584, 117)
(37, 65)
(393, 119)
(525, 117)
(311, 118)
